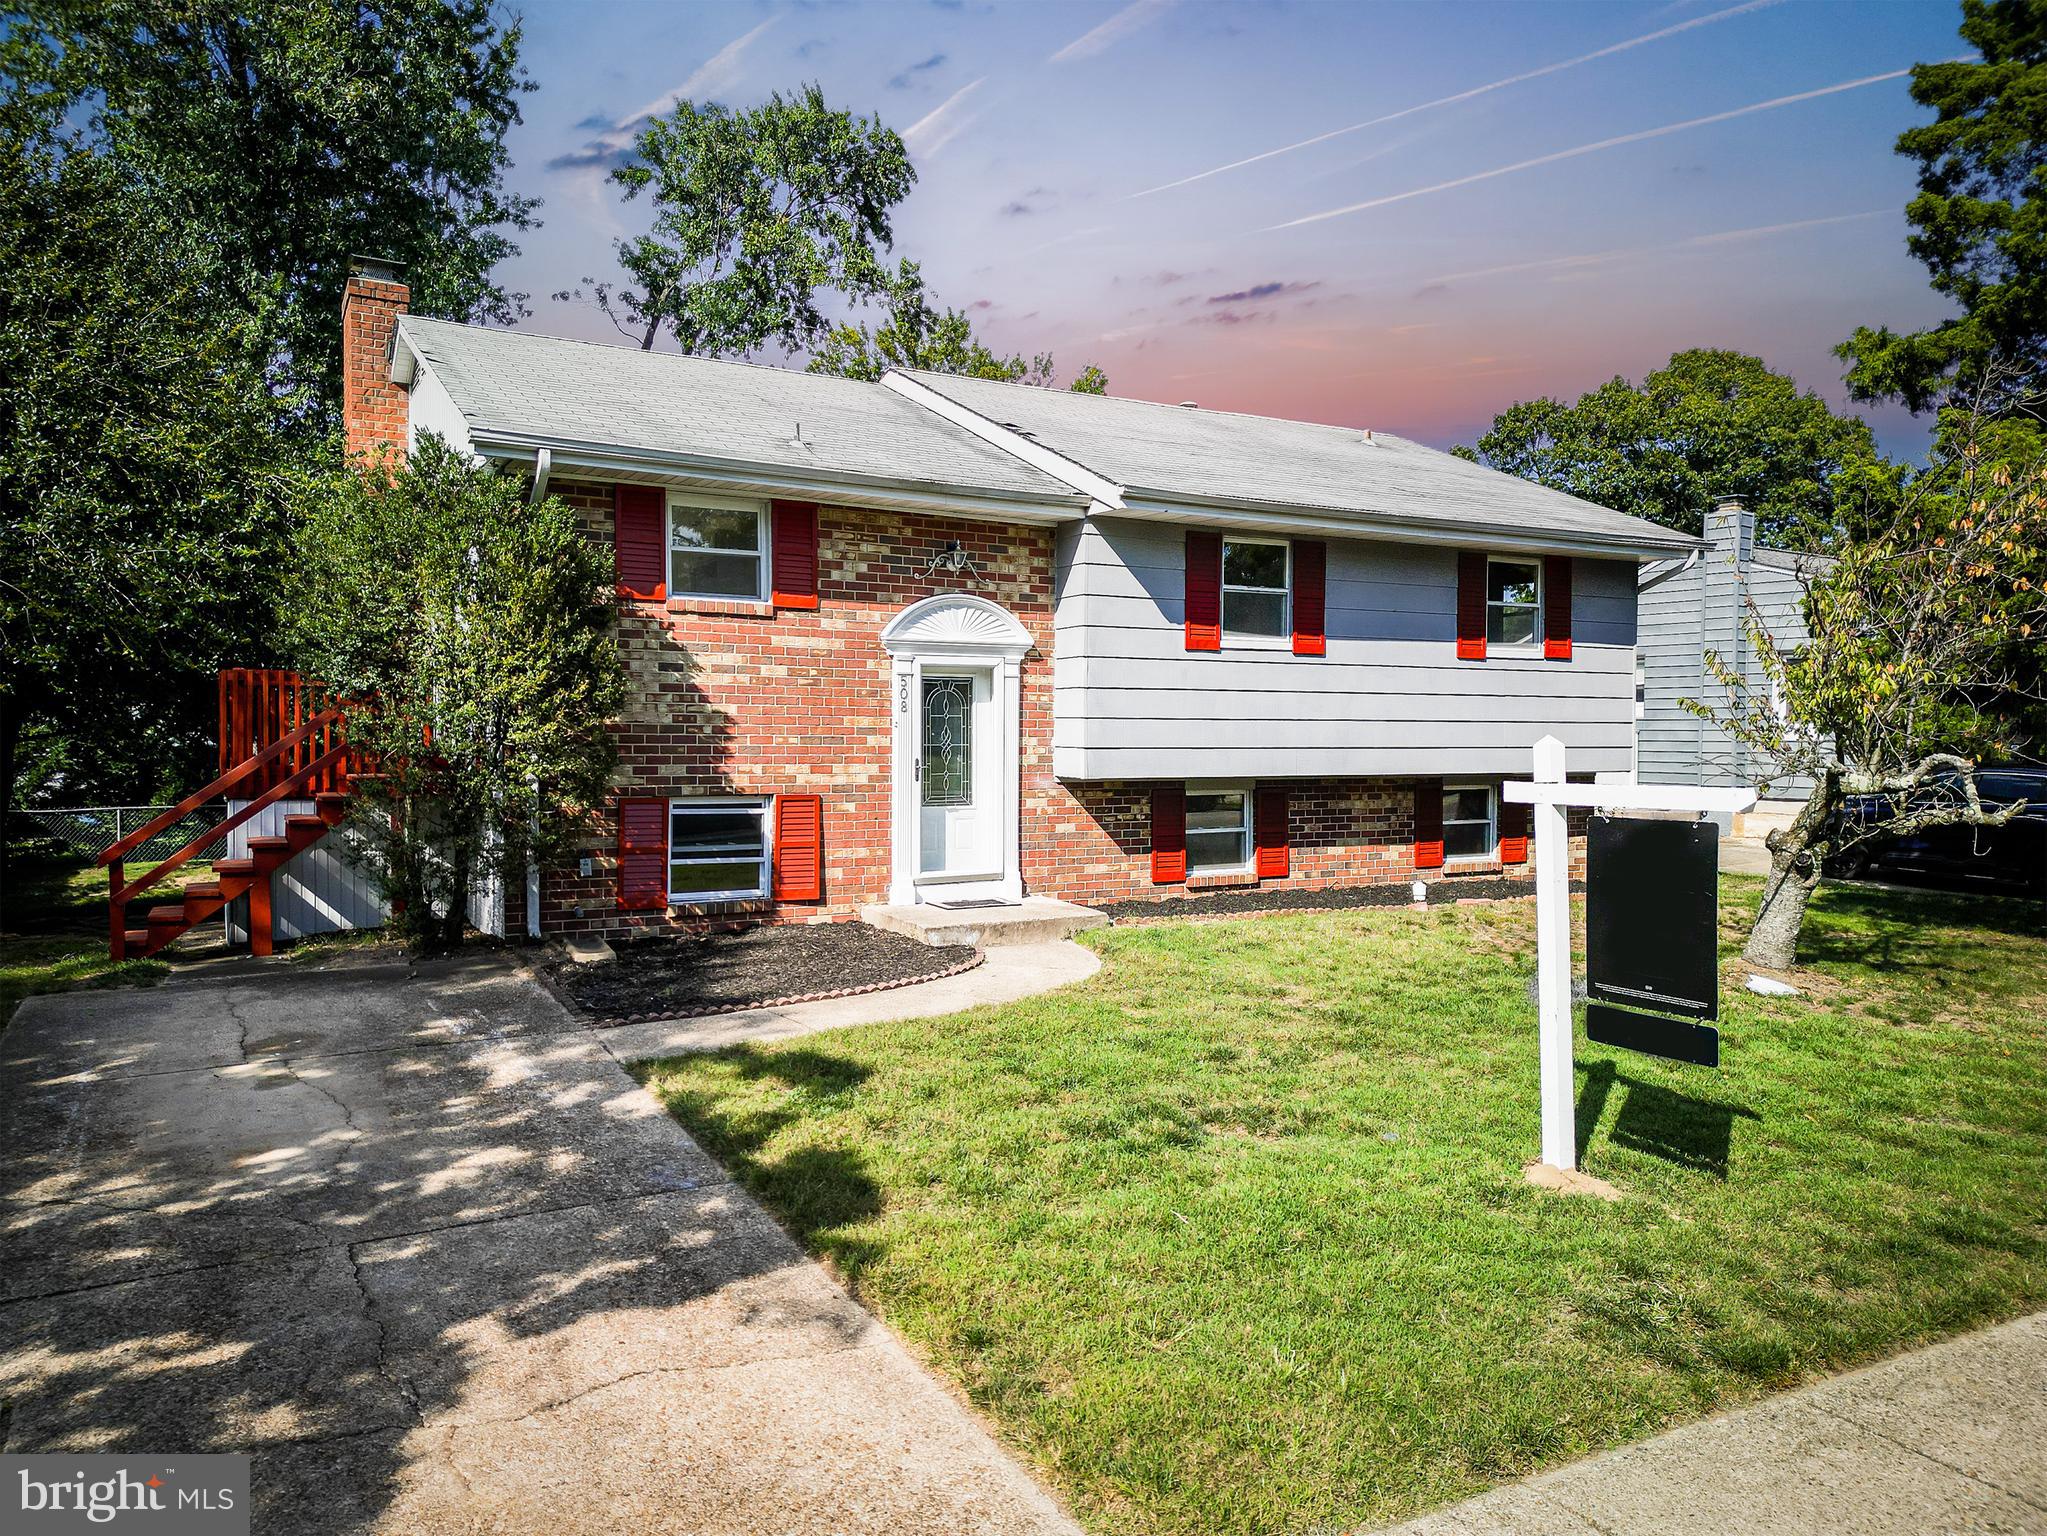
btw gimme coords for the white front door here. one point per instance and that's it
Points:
(958, 807)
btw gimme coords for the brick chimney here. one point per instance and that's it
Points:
(373, 409)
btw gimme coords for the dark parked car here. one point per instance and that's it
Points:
(2012, 857)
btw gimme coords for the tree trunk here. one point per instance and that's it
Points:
(1773, 941)
(1797, 853)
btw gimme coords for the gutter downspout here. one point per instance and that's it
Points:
(543, 463)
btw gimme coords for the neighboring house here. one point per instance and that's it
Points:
(1697, 604)
(943, 640)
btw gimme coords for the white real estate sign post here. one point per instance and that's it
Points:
(1548, 796)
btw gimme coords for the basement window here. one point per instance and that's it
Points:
(1471, 826)
(716, 549)
(717, 850)
(1218, 831)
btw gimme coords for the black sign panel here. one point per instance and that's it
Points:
(1652, 914)
(1653, 1035)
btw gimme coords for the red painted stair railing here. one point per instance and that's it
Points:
(311, 760)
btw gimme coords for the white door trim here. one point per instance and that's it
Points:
(953, 631)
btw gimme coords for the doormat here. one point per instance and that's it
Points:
(962, 906)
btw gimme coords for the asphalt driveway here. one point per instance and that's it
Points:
(421, 1246)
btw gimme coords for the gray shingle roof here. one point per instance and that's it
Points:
(1174, 454)
(555, 390)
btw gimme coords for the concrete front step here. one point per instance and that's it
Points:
(1034, 920)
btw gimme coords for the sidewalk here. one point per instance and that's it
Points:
(1009, 972)
(1947, 1439)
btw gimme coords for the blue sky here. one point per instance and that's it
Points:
(1471, 204)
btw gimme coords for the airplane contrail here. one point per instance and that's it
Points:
(1625, 253)
(1477, 90)
(1593, 148)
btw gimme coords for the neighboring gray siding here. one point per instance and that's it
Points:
(1684, 614)
(1389, 698)
(1669, 740)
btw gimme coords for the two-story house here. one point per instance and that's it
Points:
(937, 640)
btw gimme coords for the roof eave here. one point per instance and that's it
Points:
(570, 454)
(1147, 502)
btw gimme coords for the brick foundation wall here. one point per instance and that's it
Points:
(1092, 842)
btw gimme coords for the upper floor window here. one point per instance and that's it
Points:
(717, 550)
(1513, 614)
(1255, 575)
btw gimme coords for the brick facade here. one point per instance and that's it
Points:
(735, 697)
(374, 411)
(742, 698)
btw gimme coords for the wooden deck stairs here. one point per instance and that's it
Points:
(280, 739)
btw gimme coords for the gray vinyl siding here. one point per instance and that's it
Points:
(319, 890)
(1684, 615)
(1389, 698)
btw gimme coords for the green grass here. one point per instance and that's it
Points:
(1234, 1238)
(56, 934)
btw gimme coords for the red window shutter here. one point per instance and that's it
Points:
(1513, 833)
(1204, 591)
(1168, 834)
(799, 848)
(1269, 831)
(794, 578)
(1311, 570)
(1556, 607)
(643, 855)
(639, 541)
(1470, 605)
(1428, 824)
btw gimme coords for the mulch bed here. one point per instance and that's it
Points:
(688, 977)
(1398, 894)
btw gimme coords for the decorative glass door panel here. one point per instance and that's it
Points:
(958, 807)
(948, 741)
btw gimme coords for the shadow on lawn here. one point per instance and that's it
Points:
(1884, 928)
(1692, 1133)
(813, 1190)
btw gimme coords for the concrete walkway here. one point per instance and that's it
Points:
(1006, 974)
(420, 1245)
(1947, 1439)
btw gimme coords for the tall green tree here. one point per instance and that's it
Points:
(757, 215)
(1979, 223)
(1708, 423)
(917, 335)
(1922, 633)
(142, 488)
(285, 135)
(477, 622)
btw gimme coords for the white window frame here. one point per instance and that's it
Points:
(1534, 644)
(763, 807)
(1249, 863)
(1491, 852)
(763, 533)
(1286, 594)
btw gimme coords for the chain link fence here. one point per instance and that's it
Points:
(90, 830)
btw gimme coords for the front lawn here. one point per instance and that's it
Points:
(1234, 1238)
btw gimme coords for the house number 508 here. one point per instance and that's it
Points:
(903, 694)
